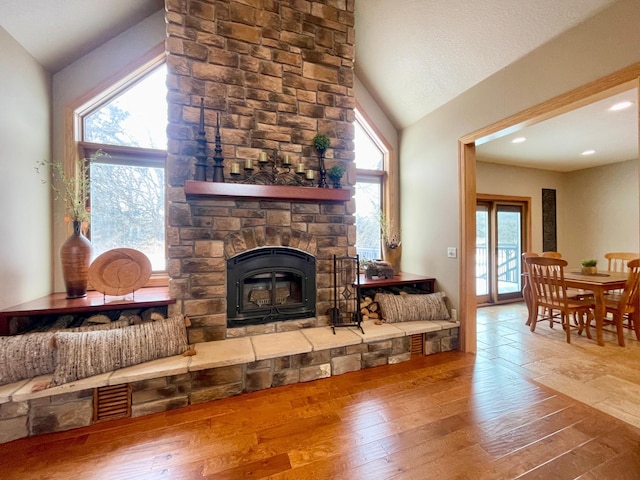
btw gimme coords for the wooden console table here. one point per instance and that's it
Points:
(400, 279)
(59, 304)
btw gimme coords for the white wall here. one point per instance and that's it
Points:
(429, 149)
(25, 126)
(596, 208)
(84, 76)
(604, 212)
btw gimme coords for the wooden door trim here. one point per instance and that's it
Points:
(619, 81)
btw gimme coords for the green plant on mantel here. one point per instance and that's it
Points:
(321, 142)
(336, 172)
(590, 262)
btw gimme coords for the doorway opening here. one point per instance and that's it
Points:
(616, 82)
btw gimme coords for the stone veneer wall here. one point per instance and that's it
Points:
(275, 73)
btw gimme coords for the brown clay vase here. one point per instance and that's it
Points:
(392, 256)
(75, 256)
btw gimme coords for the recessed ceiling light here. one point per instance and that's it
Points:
(518, 140)
(621, 106)
(588, 152)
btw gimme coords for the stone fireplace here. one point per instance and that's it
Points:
(272, 75)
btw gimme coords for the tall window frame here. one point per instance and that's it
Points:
(374, 177)
(119, 154)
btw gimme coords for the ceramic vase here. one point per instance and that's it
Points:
(75, 257)
(392, 256)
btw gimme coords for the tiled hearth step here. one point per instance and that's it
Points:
(220, 369)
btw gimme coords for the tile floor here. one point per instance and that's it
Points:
(606, 378)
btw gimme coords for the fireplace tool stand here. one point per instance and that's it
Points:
(346, 293)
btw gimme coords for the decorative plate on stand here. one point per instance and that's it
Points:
(119, 271)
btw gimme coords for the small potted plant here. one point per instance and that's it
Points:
(589, 266)
(335, 174)
(321, 143)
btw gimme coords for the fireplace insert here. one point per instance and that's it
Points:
(270, 284)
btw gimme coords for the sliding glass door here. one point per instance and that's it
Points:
(499, 247)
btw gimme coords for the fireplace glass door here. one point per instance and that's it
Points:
(271, 290)
(270, 284)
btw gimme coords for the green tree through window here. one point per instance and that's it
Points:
(127, 184)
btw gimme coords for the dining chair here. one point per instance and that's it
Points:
(571, 292)
(625, 305)
(549, 292)
(527, 293)
(545, 314)
(617, 261)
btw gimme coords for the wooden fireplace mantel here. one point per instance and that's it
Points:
(283, 192)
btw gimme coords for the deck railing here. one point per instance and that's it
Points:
(509, 265)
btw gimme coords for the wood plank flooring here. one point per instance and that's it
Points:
(447, 416)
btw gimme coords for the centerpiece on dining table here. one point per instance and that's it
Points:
(589, 266)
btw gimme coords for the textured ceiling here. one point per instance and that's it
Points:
(58, 32)
(416, 55)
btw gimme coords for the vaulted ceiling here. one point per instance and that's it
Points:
(413, 56)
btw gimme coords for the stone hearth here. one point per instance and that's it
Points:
(219, 369)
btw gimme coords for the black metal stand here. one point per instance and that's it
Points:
(218, 168)
(346, 293)
(322, 183)
(201, 153)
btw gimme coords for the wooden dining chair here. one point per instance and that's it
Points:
(549, 293)
(571, 292)
(625, 305)
(527, 293)
(617, 261)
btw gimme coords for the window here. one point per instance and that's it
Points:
(127, 183)
(371, 159)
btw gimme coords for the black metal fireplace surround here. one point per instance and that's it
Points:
(270, 284)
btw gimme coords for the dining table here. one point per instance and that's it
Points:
(598, 283)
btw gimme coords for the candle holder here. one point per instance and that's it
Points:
(201, 153)
(322, 183)
(218, 168)
(272, 170)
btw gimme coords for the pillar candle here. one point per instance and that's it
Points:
(263, 157)
(286, 160)
(248, 164)
(310, 174)
(300, 167)
(235, 167)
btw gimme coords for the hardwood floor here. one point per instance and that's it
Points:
(445, 416)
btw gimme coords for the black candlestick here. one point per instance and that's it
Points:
(201, 154)
(218, 168)
(322, 183)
